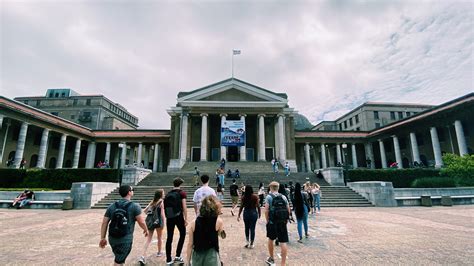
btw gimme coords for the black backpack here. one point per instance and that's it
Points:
(119, 222)
(153, 218)
(173, 205)
(278, 210)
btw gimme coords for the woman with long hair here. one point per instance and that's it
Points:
(261, 194)
(316, 191)
(156, 209)
(249, 203)
(301, 210)
(203, 241)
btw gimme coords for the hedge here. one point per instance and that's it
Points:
(434, 182)
(58, 179)
(400, 178)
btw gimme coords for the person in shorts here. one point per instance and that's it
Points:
(234, 194)
(276, 230)
(122, 246)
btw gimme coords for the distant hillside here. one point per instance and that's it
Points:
(302, 123)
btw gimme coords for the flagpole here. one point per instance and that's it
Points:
(232, 64)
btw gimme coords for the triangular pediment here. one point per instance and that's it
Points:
(233, 94)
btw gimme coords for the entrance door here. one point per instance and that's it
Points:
(232, 153)
(196, 154)
(269, 154)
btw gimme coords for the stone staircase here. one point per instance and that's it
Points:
(332, 196)
(244, 167)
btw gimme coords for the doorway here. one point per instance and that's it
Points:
(232, 153)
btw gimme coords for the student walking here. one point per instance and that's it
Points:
(196, 176)
(202, 192)
(316, 191)
(287, 169)
(120, 220)
(301, 208)
(155, 222)
(261, 194)
(176, 216)
(220, 192)
(249, 203)
(234, 194)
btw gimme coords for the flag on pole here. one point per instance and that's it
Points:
(236, 52)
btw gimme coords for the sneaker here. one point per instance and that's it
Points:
(142, 260)
(307, 235)
(300, 240)
(247, 245)
(170, 262)
(179, 259)
(318, 211)
(251, 246)
(270, 261)
(159, 254)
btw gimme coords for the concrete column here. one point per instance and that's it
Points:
(146, 157)
(1, 120)
(382, 154)
(20, 145)
(261, 137)
(414, 148)
(223, 148)
(316, 157)
(204, 137)
(123, 158)
(281, 137)
(460, 138)
(338, 153)
(323, 156)
(62, 148)
(43, 150)
(370, 154)
(243, 149)
(436, 148)
(398, 153)
(183, 143)
(107, 153)
(5, 137)
(77, 153)
(354, 156)
(307, 157)
(90, 155)
(155, 158)
(139, 154)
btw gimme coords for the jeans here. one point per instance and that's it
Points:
(303, 221)
(317, 201)
(250, 221)
(170, 224)
(24, 202)
(287, 171)
(221, 180)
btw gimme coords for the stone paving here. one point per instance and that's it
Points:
(411, 235)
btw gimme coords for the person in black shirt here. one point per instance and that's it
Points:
(234, 194)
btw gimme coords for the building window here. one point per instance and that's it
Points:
(74, 102)
(88, 102)
(392, 115)
(25, 101)
(63, 94)
(400, 115)
(340, 127)
(357, 118)
(408, 114)
(55, 113)
(73, 117)
(377, 125)
(345, 124)
(350, 122)
(51, 95)
(414, 113)
(376, 114)
(358, 129)
(56, 95)
(38, 102)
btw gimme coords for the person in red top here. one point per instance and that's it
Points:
(249, 203)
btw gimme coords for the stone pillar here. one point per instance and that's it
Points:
(90, 155)
(398, 153)
(316, 158)
(77, 153)
(183, 142)
(20, 145)
(1, 120)
(323, 156)
(155, 158)
(436, 148)
(414, 148)
(354, 156)
(43, 150)
(307, 157)
(223, 148)
(204, 137)
(370, 154)
(460, 138)
(62, 148)
(338, 154)
(243, 149)
(107, 153)
(123, 158)
(139, 154)
(146, 157)
(383, 157)
(281, 137)
(261, 137)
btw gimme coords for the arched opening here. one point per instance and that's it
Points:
(11, 159)
(52, 163)
(33, 160)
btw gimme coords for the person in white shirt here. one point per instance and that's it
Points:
(202, 192)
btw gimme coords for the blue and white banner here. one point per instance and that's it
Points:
(233, 133)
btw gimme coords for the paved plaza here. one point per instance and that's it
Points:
(414, 235)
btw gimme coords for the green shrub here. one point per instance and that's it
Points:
(400, 178)
(457, 166)
(434, 182)
(59, 179)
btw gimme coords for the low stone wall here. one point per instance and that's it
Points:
(334, 176)
(43, 199)
(133, 175)
(86, 194)
(380, 194)
(412, 196)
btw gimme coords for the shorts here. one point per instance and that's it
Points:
(121, 252)
(279, 231)
(235, 199)
(207, 257)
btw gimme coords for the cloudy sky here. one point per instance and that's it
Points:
(328, 56)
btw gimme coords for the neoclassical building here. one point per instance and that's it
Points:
(45, 140)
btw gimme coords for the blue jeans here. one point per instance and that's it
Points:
(250, 220)
(317, 201)
(287, 171)
(303, 221)
(221, 180)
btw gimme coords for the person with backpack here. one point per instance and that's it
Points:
(301, 208)
(249, 203)
(176, 215)
(120, 220)
(234, 195)
(202, 192)
(154, 221)
(277, 212)
(196, 176)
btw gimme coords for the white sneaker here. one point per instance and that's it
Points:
(159, 254)
(142, 260)
(247, 245)
(251, 246)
